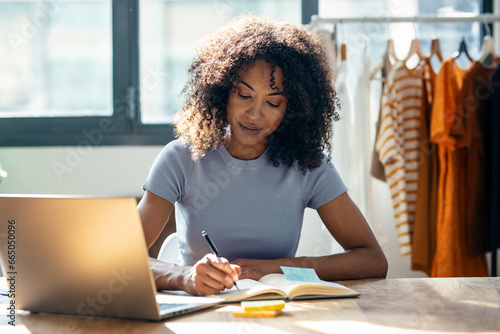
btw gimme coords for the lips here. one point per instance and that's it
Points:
(250, 129)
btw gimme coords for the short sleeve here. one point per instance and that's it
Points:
(170, 172)
(323, 184)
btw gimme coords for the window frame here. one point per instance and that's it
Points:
(123, 126)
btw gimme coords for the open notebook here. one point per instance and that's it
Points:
(276, 286)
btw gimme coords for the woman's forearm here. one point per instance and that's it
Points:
(355, 263)
(168, 276)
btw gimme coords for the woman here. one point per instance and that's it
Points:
(257, 117)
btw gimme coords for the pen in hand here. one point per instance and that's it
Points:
(214, 250)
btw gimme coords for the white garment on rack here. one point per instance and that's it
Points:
(342, 130)
(360, 145)
(368, 195)
(326, 244)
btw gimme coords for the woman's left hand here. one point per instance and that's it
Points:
(255, 269)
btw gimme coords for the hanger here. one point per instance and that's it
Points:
(436, 46)
(343, 45)
(436, 57)
(414, 46)
(436, 49)
(389, 49)
(334, 37)
(488, 49)
(343, 52)
(414, 50)
(462, 50)
(389, 52)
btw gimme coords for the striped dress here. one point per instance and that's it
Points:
(398, 146)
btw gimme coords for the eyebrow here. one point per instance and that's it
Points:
(272, 94)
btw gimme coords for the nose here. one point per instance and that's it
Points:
(253, 112)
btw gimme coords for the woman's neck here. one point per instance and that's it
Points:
(241, 150)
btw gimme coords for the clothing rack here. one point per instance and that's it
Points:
(486, 18)
(481, 18)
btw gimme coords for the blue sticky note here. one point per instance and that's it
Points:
(300, 274)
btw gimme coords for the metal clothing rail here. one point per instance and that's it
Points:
(481, 18)
(485, 18)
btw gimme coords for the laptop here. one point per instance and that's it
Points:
(83, 256)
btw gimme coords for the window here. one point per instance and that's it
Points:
(56, 59)
(57, 73)
(104, 72)
(169, 31)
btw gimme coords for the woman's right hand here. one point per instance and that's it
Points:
(210, 276)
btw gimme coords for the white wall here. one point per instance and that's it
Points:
(102, 171)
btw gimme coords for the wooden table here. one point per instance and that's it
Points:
(444, 305)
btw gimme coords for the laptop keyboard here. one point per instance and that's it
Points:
(170, 306)
(175, 309)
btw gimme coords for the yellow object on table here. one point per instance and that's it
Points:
(260, 314)
(260, 308)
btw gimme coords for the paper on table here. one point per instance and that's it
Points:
(300, 274)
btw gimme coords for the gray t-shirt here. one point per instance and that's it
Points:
(250, 208)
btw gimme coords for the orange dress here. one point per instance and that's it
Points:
(451, 258)
(424, 229)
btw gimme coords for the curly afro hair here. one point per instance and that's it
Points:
(306, 128)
